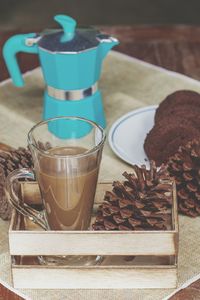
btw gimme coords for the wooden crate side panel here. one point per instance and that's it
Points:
(175, 221)
(175, 209)
(91, 243)
(94, 279)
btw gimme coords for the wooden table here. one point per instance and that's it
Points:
(176, 48)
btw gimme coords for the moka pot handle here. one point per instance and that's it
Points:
(18, 43)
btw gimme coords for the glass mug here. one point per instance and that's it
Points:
(66, 169)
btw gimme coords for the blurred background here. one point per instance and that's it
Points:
(163, 32)
(21, 14)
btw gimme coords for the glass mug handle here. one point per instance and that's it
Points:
(14, 200)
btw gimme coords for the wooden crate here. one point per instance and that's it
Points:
(154, 265)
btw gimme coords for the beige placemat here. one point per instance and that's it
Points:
(126, 84)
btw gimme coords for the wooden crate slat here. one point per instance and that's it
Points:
(103, 278)
(91, 243)
(31, 194)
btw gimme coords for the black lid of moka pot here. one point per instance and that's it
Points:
(70, 39)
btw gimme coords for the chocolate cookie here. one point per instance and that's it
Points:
(177, 100)
(164, 139)
(185, 112)
(177, 121)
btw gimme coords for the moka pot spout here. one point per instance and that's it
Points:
(107, 43)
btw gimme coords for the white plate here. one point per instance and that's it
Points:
(126, 136)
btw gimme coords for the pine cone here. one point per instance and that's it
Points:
(9, 161)
(142, 202)
(184, 166)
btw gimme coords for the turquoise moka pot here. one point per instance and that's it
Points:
(71, 60)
